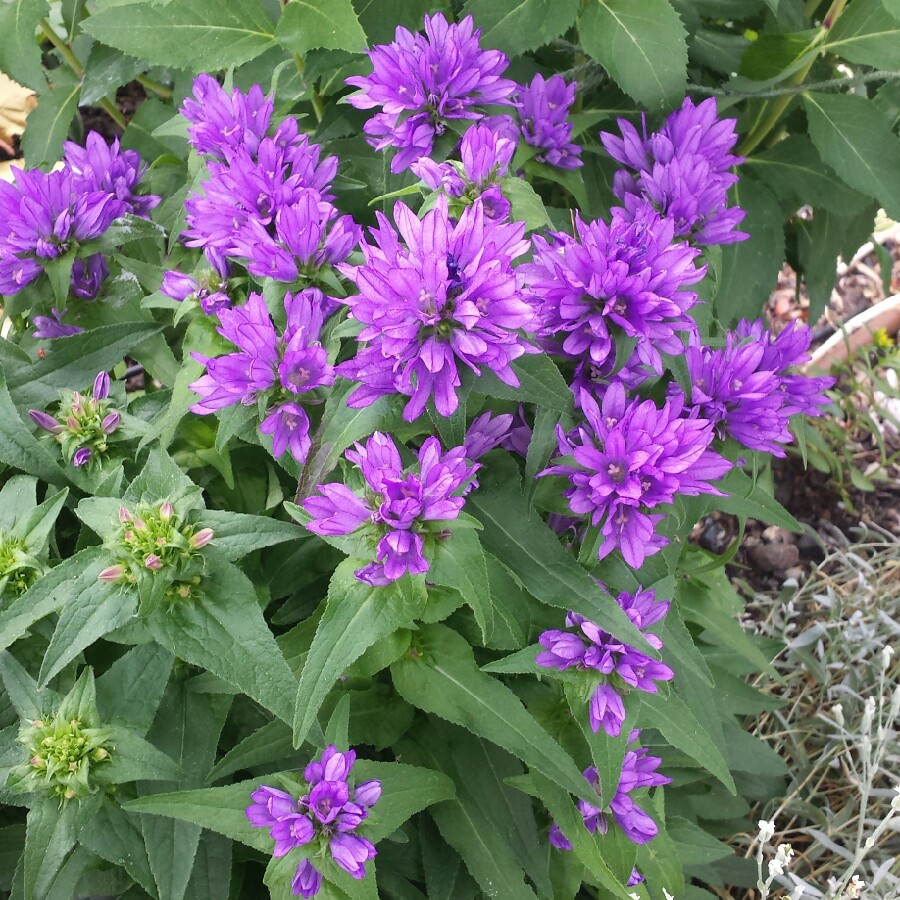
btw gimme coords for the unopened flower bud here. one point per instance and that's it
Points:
(766, 831)
(838, 713)
(201, 538)
(153, 562)
(886, 654)
(166, 511)
(45, 420)
(82, 455)
(37, 761)
(101, 386)
(111, 422)
(100, 754)
(69, 794)
(112, 573)
(139, 524)
(125, 515)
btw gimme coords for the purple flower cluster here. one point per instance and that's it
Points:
(83, 423)
(589, 647)
(543, 109)
(267, 201)
(628, 458)
(484, 159)
(45, 215)
(627, 277)
(446, 296)
(638, 771)
(399, 507)
(423, 81)
(282, 368)
(746, 388)
(326, 816)
(683, 170)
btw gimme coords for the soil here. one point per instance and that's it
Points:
(94, 118)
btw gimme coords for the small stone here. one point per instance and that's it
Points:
(774, 557)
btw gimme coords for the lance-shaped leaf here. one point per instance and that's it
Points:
(224, 631)
(237, 534)
(320, 24)
(129, 691)
(439, 675)
(356, 616)
(531, 550)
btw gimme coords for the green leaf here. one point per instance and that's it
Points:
(750, 500)
(516, 26)
(116, 837)
(678, 725)
(641, 43)
(134, 759)
(49, 840)
(211, 877)
(749, 268)
(48, 124)
(221, 809)
(533, 552)
(273, 742)
(356, 616)
(37, 525)
(866, 33)
(854, 138)
(20, 55)
(21, 689)
(74, 362)
(459, 563)
(200, 35)
(571, 823)
(694, 846)
(440, 676)
(526, 205)
(657, 859)
(539, 382)
(237, 534)
(320, 24)
(18, 446)
(98, 608)
(796, 174)
(380, 18)
(225, 632)
(129, 691)
(70, 578)
(405, 790)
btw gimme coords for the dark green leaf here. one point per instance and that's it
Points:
(441, 677)
(271, 743)
(20, 55)
(694, 846)
(539, 382)
(526, 205)
(200, 35)
(129, 691)
(134, 759)
(641, 43)
(225, 632)
(866, 33)
(48, 125)
(356, 615)
(21, 689)
(516, 26)
(237, 534)
(49, 840)
(320, 24)
(854, 138)
(380, 18)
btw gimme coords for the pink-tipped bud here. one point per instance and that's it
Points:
(101, 386)
(153, 562)
(37, 761)
(45, 420)
(112, 573)
(71, 423)
(125, 515)
(111, 423)
(201, 538)
(166, 511)
(139, 524)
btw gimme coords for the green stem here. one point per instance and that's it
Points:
(156, 87)
(314, 97)
(65, 51)
(761, 131)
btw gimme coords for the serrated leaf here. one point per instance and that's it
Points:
(135, 759)
(48, 124)
(516, 26)
(49, 840)
(320, 24)
(750, 268)
(356, 616)
(525, 204)
(678, 725)
(532, 551)
(539, 382)
(129, 691)
(273, 742)
(18, 446)
(49, 592)
(237, 534)
(225, 632)
(200, 35)
(641, 43)
(20, 55)
(459, 563)
(866, 33)
(442, 678)
(21, 688)
(749, 499)
(37, 525)
(694, 846)
(854, 138)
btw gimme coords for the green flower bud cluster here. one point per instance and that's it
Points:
(62, 757)
(18, 569)
(153, 539)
